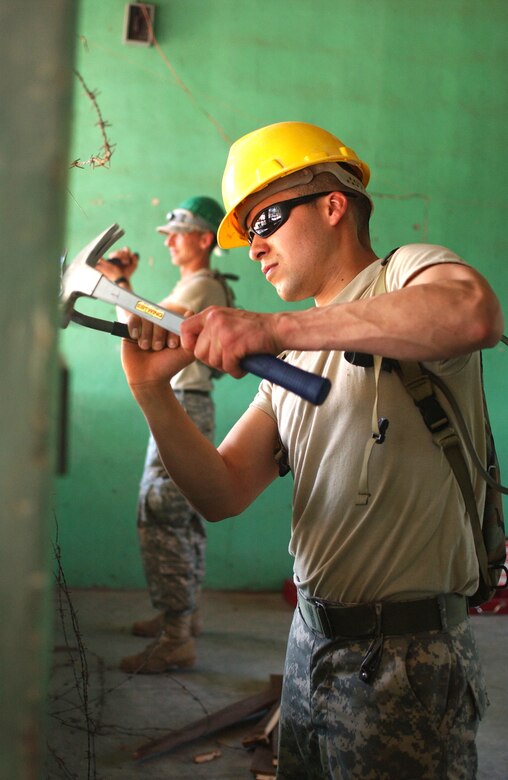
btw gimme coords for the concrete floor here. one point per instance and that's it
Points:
(98, 716)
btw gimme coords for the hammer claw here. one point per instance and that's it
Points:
(81, 277)
(93, 251)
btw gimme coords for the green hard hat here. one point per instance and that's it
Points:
(196, 213)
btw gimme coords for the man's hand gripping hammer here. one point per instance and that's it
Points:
(81, 278)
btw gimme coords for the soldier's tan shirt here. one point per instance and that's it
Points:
(195, 293)
(413, 538)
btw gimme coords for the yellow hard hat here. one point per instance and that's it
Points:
(271, 153)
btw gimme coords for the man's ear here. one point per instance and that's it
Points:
(207, 240)
(337, 206)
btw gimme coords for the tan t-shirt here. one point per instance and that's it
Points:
(195, 293)
(413, 538)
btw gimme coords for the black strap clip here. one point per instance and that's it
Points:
(372, 658)
(382, 424)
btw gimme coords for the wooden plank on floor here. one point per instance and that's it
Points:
(263, 730)
(211, 724)
(262, 763)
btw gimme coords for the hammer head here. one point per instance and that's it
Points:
(81, 276)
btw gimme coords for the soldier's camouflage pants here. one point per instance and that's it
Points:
(172, 535)
(417, 720)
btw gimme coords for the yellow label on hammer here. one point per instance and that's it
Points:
(152, 311)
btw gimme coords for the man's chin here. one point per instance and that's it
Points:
(289, 296)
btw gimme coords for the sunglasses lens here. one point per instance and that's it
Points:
(267, 222)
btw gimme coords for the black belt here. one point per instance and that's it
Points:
(194, 392)
(387, 618)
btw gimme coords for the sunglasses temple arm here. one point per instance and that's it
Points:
(310, 387)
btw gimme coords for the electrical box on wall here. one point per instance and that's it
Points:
(138, 24)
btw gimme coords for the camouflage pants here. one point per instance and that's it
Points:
(417, 720)
(171, 533)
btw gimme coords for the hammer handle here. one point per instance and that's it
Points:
(310, 387)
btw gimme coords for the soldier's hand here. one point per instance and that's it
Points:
(119, 263)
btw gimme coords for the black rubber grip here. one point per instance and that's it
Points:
(120, 329)
(310, 387)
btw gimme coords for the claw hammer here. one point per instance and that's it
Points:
(82, 279)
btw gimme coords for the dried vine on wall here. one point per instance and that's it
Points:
(103, 158)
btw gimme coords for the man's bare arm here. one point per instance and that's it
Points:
(219, 482)
(444, 311)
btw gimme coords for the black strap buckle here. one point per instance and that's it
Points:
(324, 621)
(372, 658)
(382, 424)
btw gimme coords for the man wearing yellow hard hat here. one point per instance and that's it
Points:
(382, 676)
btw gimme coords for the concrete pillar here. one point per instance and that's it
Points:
(36, 54)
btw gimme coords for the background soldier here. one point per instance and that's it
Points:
(171, 533)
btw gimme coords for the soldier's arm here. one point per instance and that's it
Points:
(219, 482)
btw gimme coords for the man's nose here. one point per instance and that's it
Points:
(258, 248)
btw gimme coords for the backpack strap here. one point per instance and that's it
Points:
(222, 278)
(379, 424)
(419, 385)
(379, 427)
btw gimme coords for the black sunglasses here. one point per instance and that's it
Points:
(269, 219)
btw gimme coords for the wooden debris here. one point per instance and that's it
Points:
(203, 758)
(211, 724)
(261, 734)
(265, 739)
(262, 762)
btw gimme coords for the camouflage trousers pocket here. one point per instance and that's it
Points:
(160, 495)
(432, 676)
(445, 679)
(416, 720)
(162, 504)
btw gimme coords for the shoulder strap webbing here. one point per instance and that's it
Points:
(228, 290)
(419, 385)
(379, 425)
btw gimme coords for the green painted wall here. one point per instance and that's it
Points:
(417, 89)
